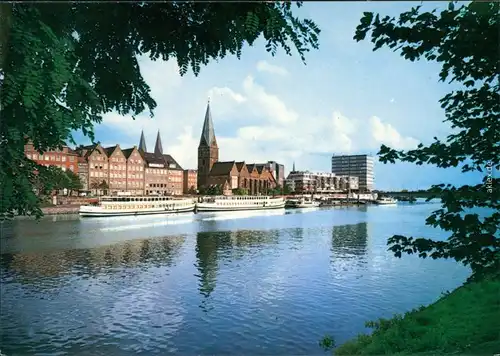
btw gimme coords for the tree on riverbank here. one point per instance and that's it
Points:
(464, 41)
(63, 66)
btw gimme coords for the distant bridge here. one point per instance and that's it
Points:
(417, 194)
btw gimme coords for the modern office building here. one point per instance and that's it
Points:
(360, 166)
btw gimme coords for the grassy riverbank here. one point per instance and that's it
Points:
(465, 321)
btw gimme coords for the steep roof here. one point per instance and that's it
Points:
(250, 167)
(152, 158)
(221, 168)
(260, 168)
(86, 151)
(158, 147)
(127, 152)
(110, 150)
(170, 160)
(142, 143)
(240, 165)
(208, 131)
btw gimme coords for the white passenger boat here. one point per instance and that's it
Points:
(239, 203)
(386, 201)
(137, 205)
(302, 203)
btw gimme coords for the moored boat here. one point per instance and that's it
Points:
(302, 203)
(137, 205)
(386, 201)
(239, 203)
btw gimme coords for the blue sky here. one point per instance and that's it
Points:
(347, 99)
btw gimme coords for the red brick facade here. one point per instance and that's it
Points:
(135, 171)
(97, 160)
(117, 169)
(66, 159)
(254, 179)
(190, 181)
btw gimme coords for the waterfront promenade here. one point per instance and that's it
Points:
(232, 283)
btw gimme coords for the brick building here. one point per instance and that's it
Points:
(163, 175)
(190, 181)
(255, 179)
(97, 161)
(65, 158)
(135, 171)
(117, 170)
(230, 175)
(277, 170)
(83, 172)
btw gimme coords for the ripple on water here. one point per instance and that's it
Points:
(223, 286)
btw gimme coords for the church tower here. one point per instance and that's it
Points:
(142, 143)
(158, 146)
(208, 151)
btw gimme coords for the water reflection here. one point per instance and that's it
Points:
(146, 253)
(208, 246)
(214, 249)
(349, 242)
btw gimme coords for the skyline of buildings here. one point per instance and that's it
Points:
(136, 171)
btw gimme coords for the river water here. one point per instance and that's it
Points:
(222, 283)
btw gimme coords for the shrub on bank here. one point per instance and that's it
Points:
(464, 322)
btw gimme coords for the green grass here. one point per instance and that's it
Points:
(465, 322)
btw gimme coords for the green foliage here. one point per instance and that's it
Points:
(462, 322)
(103, 185)
(464, 40)
(327, 343)
(213, 190)
(64, 66)
(75, 181)
(240, 191)
(287, 190)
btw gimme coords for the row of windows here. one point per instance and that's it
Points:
(135, 168)
(175, 192)
(156, 171)
(47, 157)
(71, 167)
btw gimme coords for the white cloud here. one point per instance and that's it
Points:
(386, 134)
(251, 124)
(264, 66)
(267, 104)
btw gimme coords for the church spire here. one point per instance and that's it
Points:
(293, 168)
(142, 142)
(208, 132)
(158, 146)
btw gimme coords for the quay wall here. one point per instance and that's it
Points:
(61, 209)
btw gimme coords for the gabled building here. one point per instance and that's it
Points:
(135, 170)
(65, 158)
(97, 160)
(117, 170)
(163, 175)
